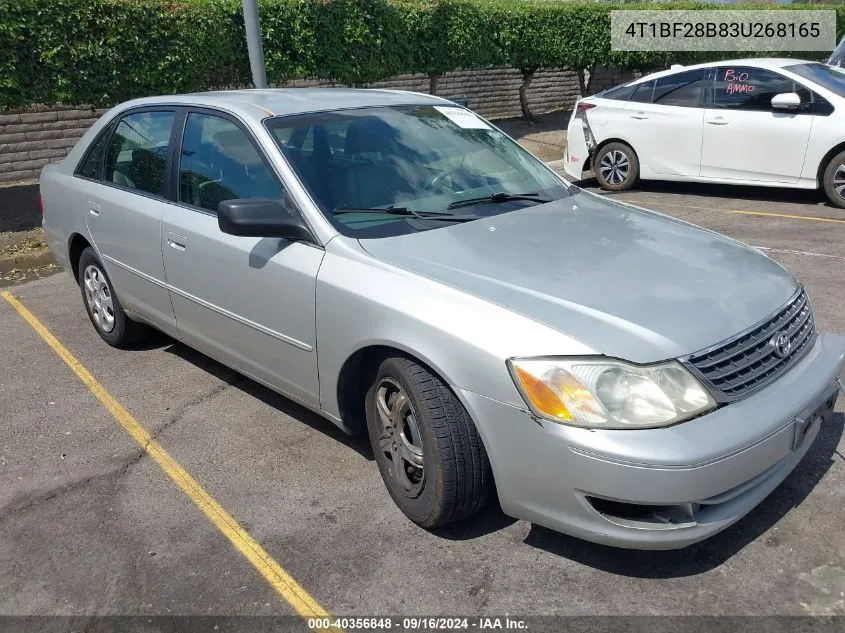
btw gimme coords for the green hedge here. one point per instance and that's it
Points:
(101, 52)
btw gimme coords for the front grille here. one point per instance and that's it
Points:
(747, 362)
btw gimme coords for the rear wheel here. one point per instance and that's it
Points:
(102, 304)
(834, 180)
(426, 446)
(616, 167)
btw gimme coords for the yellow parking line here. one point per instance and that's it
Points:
(278, 578)
(811, 218)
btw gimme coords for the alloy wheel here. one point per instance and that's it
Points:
(400, 438)
(839, 180)
(614, 167)
(99, 297)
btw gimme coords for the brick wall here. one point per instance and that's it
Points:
(30, 139)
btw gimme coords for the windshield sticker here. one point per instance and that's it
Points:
(462, 118)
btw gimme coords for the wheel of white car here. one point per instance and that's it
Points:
(616, 167)
(427, 448)
(834, 180)
(102, 304)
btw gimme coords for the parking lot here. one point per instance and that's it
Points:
(91, 524)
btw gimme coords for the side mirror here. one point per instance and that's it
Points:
(260, 217)
(786, 101)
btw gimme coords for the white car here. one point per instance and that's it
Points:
(769, 122)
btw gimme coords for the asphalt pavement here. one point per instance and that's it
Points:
(91, 524)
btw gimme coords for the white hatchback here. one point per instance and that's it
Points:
(769, 122)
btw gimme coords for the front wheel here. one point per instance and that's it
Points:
(427, 448)
(616, 167)
(834, 180)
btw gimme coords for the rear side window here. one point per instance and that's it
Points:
(219, 162)
(681, 89)
(743, 88)
(619, 93)
(137, 153)
(643, 92)
(90, 166)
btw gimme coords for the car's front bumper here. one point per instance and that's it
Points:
(692, 479)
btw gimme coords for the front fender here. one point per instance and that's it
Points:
(362, 301)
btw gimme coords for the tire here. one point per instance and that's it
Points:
(616, 167)
(834, 177)
(102, 305)
(454, 479)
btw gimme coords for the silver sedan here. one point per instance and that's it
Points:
(397, 264)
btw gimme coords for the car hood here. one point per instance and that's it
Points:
(629, 283)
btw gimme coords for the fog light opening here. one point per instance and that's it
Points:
(654, 515)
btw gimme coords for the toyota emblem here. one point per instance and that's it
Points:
(781, 344)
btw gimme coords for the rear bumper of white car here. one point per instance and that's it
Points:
(577, 153)
(660, 488)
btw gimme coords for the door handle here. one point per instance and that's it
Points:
(176, 241)
(94, 209)
(718, 121)
(639, 115)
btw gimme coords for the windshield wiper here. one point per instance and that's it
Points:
(444, 217)
(500, 196)
(388, 210)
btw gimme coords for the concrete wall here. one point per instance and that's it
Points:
(29, 139)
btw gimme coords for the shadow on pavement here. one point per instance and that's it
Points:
(359, 443)
(733, 192)
(709, 554)
(19, 208)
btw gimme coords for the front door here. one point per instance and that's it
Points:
(247, 301)
(744, 137)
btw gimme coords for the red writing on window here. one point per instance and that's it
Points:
(736, 84)
(732, 75)
(738, 88)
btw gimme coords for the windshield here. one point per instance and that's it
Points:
(826, 76)
(384, 171)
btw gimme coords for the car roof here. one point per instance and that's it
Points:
(259, 104)
(755, 62)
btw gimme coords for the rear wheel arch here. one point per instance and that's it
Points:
(77, 243)
(608, 141)
(823, 163)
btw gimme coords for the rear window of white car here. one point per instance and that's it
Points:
(678, 89)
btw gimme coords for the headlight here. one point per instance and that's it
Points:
(610, 394)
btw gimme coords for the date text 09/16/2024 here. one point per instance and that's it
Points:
(418, 623)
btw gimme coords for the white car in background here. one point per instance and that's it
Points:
(765, 122)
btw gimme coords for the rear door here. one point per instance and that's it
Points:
(663, 121)
(744, 137)
(125, 204)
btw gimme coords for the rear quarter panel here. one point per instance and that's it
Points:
(63, 197)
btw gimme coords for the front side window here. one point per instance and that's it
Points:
(681, 89)
(219, 162)
(436, 161)
(137, 153)
(743, 88)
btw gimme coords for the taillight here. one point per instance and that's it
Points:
(583, 107)
(40, 204)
